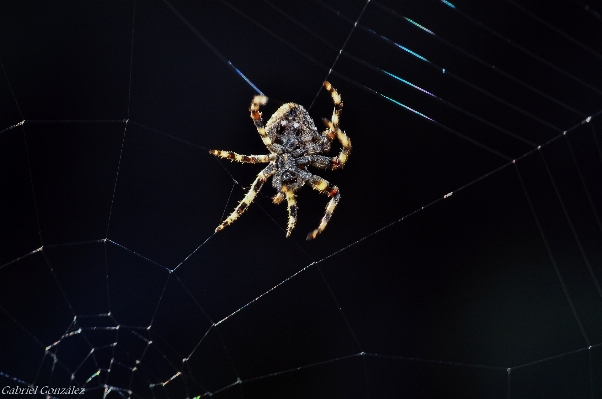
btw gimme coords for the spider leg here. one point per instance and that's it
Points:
(322, 162)
(338, 104)
(257, 102)
(277, 199)
(324, 187)
(249, 197)
(292, 212)
(232, 156)
(334, 130)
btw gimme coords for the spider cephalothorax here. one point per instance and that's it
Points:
(294, 144)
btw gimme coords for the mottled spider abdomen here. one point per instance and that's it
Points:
(291, 128)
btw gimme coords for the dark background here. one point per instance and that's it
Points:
(109, 199)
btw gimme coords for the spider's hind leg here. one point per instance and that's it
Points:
(277, 199)
(324, 187)
(292, 212)
(249, 197)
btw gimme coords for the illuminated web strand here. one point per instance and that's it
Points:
(399, 359)
(265, 293)
(340, 51)
(125, 128)
(20, 257)
(245, 78)
(437, 67)
(139, 255)
(529, 52)
(475, 87)
(439, 124)
(197, 248)
(547, 359)
(480, 119)
(210, 320)
(33, 192)
(210, 46)
(405, 106)
(479, 60)
(12, 127)
(126, 125)
(447, 103)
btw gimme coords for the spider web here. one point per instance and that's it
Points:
(464, 259)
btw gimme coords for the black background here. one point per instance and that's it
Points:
(109, 200)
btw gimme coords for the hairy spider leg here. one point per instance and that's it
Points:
(249, 197)
(232, 156)
(292, 212)
(334, 130)
(324, 187)
(256, 103)
(277, 199)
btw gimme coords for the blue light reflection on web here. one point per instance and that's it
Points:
(418, 25)
(246, 79)
(406, 107)
(409, 84)
(399, 45)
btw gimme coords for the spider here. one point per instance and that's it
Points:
(294, 144)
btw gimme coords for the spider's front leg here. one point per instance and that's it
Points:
(249, 197)
(334, 130)
(233, 156)
(256, 103)
(324, 187)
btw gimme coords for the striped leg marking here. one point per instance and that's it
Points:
(249, 197)
(292, 212)
(232, 156)
(338, 104)
(340, 160)
(257, 102)
(334, 130)
(324, 187)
